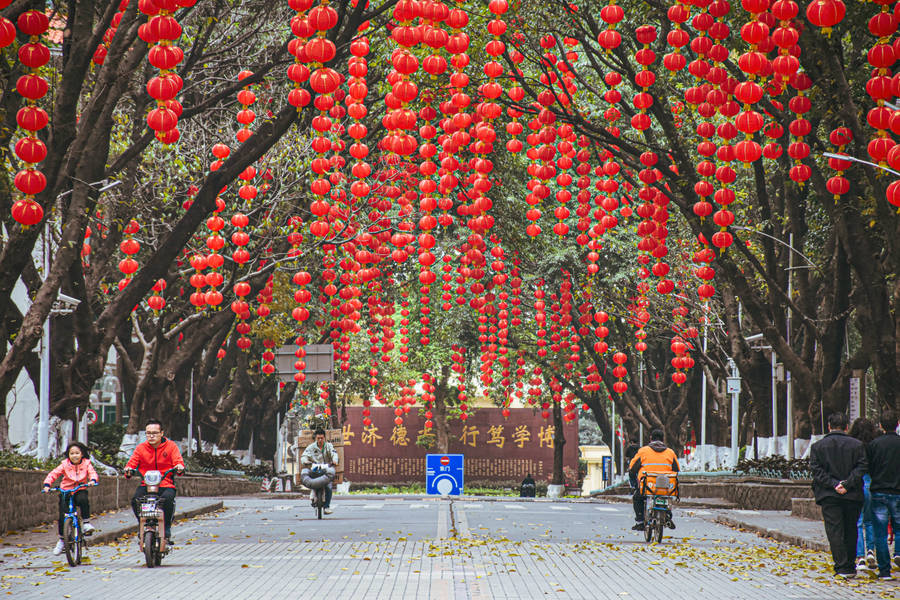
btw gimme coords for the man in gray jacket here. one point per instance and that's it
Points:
(322, 452)
(838, 463)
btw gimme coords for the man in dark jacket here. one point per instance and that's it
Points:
(838, 463)
(528, 487)
(630, 451)
(884, 467)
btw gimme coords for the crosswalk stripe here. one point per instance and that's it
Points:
(606, 508)
(374, 505)
(560, 508)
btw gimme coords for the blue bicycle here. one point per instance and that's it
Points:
(73, 537)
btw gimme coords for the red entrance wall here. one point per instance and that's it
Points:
(498, 450)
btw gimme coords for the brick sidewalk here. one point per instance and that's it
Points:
(261, 550)
(17, 546)
(476, 570)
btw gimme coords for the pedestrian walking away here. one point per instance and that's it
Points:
(865, 430)
(838, 463)
(884, 467)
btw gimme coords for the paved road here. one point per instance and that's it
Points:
(263, 548)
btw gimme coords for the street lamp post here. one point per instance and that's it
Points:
(734, 389)
(789, 419)
(703, 449)
(789, 416)
(774, 366)
(64, 305)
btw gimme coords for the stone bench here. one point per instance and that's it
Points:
(806, 508)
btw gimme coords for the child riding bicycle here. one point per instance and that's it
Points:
(76, 469)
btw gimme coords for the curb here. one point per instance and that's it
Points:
(420, 497)
(104, 537)
(684, 503)
(794, 540)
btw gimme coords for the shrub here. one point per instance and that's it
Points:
(14, 460)
(777, 467)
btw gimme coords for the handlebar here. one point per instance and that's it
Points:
(73, 490)
(129, 472)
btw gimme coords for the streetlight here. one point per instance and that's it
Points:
(774, 362)
(63, 305)
(733, 388)
(789, 421)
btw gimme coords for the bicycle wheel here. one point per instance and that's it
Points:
(649, 524)
(659, 530)
(73, 550)
(150, 548)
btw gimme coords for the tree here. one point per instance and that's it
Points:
(365, 185)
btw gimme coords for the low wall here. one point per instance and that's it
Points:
(22, 505)
(749, 494)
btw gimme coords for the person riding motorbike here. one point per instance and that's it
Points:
(156, 454)
(320, 452)
(655, 457)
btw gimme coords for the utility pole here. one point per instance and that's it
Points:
(190, 448)
(789, 417)
(734, 389)
(703, 391)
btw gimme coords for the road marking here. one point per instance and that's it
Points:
(606, 508)
(747, 512)
(514, 506)
(560, 508)
(462, 525)
(419, 505)
(374, 505)
(443, 521)
(473, 505)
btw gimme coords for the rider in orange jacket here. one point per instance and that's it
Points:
(655, 457)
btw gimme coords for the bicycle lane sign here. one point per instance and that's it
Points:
(444, 474)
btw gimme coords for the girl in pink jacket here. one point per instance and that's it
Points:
(76, 469)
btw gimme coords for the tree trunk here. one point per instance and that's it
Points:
(5, 445)
(441, 427)
(559, 442)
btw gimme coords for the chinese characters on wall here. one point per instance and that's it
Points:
(496, 448)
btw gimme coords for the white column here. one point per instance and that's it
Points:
(190, 437)
(703, 458)
(774, 404)
(43, 450)
(789, 417)
(612, 441)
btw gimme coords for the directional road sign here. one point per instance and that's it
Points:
(444, 474)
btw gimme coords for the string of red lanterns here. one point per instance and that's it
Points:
(32, 86)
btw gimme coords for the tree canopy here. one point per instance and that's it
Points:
(564, 204)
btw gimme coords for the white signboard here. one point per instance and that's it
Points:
(854, 398)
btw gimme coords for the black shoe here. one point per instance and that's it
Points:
(844, 575)
(638, 527)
